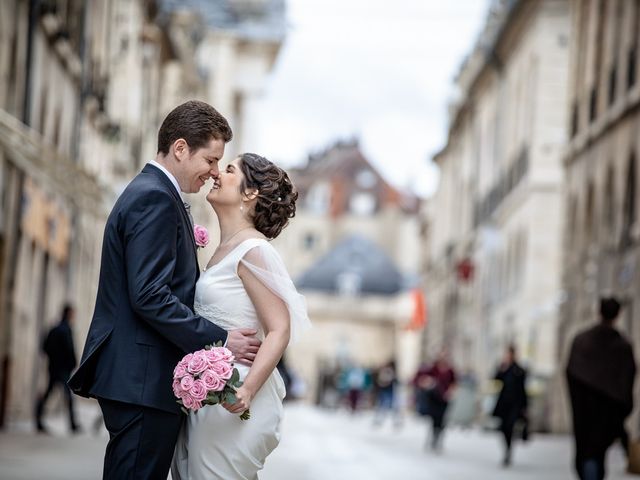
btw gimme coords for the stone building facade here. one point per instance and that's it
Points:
(603, 228)
(495, 263)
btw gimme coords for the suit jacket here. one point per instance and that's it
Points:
(143, 321)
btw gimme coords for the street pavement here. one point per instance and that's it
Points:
(317, 445)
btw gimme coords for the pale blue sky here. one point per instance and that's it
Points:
(376, 69)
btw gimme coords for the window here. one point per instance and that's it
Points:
(349, 284)
(366, 179)
(597, 64)
(632, 66)
(593, 104)
(609, 203)
(613, 78)
(589, 217)
(573, 220)
(574, 119)
(617, 31)
(362, 203)
(629, 203)
(318, 198)
(632, 55)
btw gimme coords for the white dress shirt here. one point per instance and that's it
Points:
(169, 175)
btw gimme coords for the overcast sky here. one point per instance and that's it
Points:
(377, 69)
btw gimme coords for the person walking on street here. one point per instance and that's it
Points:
(386, 383)
(600, 374)
(511, 405)
(438, 382)
(58, 346)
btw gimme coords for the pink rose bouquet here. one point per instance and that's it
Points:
(201, 235)
(206, 377)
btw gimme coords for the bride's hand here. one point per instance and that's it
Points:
(243, 401)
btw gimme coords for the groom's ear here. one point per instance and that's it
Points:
(181, 149)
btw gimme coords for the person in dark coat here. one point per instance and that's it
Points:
(58, 346)
(600, 374)
(511, 405)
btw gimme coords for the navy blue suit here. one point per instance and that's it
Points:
(142, 325)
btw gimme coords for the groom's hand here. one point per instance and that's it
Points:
(243, 344)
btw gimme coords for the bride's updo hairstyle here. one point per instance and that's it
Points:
(276, 200)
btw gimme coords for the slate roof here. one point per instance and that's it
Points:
(358, 258)
(256, 20)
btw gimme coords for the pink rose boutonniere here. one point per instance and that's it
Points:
(206, 377)
(202, 235)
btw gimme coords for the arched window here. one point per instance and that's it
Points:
(608, 211)
(572, 222)
(589, 215)
(629, 212)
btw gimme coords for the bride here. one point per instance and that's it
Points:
(245, 285)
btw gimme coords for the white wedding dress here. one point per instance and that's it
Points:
(213, 443)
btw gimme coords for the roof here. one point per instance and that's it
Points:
(340, 164)
(356, 264)
(251, 19)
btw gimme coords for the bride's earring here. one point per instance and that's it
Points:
(241, 208)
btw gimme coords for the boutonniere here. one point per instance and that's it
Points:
(201, 235)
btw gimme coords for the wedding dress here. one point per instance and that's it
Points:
(213, 443)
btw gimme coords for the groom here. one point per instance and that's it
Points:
(143, 321)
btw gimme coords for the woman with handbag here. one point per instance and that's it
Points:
(511, 406)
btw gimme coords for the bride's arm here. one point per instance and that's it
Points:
(274, 318)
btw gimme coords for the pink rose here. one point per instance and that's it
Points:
(201, 234)
(198, 362)
(212, 381)
(188, 401)
(185, 360)
(177, 388)
(227, 356)
(186, 382)
(222, 369)
(217, 354)
(198, 391)
(180, 371)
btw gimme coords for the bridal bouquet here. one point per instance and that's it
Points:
(206, 377)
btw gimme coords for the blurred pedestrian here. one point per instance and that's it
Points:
(600, 373)
(355, 380)
(435, 385)
(58, 346)
(463, 408)
(385, 383)
(511, 406)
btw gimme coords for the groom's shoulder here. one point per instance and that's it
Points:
(146, 183)
(142, 187)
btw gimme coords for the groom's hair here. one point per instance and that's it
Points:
(196, 122)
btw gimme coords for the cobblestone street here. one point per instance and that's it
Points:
(318, 445)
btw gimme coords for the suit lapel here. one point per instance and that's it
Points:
(178, 199)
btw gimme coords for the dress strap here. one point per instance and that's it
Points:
(244, 246)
